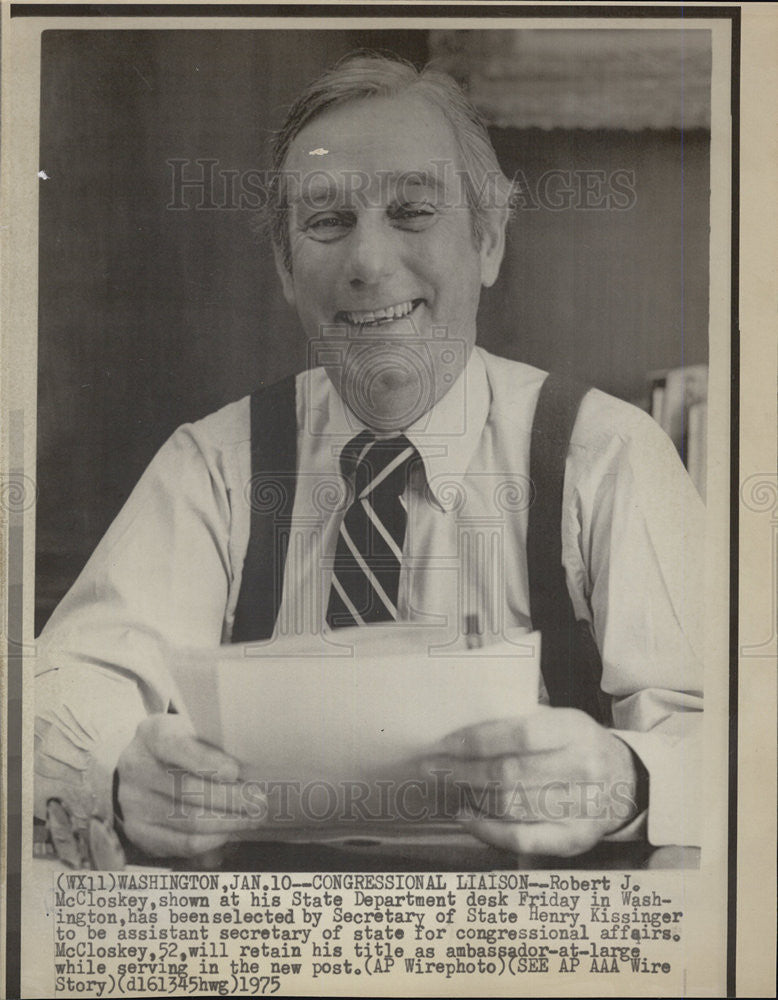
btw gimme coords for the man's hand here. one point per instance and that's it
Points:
(179, 796)
(553, 782)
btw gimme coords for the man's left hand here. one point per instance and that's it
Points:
(553, 782)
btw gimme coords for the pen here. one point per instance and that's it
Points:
(67, 845)
(97, 847)
(105, 850)
(473, 635)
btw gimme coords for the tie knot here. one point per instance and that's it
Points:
(380, 464)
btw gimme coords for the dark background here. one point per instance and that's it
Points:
(150, 317)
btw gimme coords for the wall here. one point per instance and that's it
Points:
(605, 294)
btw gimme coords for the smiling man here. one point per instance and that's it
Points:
(383, 463)
(390, 260)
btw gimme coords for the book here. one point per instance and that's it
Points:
(678, 402)
(697, 445)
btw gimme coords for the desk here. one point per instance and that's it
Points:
(385, 848)
(452, 850)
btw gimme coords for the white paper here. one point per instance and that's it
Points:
(353, 704)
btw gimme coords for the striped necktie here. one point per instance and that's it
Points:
(366, 574)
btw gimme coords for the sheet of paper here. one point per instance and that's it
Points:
(350, 706)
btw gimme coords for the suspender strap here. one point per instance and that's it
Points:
(272, 490)
(570, 661)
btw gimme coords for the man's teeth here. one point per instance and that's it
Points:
(384, 315)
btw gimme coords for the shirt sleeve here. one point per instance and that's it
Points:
(159, 578)
(635, 545)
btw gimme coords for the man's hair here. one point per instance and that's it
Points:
(364, 74)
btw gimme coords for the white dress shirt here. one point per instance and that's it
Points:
(168, 571)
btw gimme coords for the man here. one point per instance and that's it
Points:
(388, 215)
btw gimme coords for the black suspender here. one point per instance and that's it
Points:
(570, 660)
(271, 491)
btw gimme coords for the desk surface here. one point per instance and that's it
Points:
(423, 848)
(318, 857)
(451, 850)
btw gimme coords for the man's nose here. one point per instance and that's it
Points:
(373, 254)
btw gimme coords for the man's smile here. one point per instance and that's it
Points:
(380, 316)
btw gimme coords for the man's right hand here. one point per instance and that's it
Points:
(180, 796)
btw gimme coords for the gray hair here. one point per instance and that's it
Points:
(363, 74)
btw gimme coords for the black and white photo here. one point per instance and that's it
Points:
(380, 504)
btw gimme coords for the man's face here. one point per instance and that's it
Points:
(386, 273)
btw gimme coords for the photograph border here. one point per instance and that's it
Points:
(16, 583)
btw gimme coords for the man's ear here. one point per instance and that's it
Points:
(285, 276)
(492, 248)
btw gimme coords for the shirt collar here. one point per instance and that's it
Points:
(445, 437)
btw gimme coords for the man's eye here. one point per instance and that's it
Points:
(414, 217)
(323, 227)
